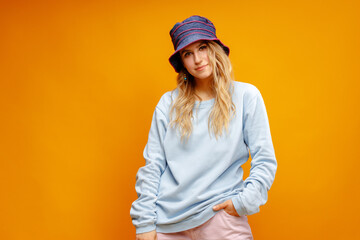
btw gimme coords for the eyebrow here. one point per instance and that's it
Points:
(186, 50)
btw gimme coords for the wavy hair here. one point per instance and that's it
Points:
(223, 109)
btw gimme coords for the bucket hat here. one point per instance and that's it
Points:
(190, 30)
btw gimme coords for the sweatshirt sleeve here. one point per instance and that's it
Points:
(143, 211)
(257, 137)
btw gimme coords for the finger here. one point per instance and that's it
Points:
(220, 206)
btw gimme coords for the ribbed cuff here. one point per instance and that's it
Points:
(145, 229)
(239, 206)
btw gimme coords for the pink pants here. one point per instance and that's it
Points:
(222, 226)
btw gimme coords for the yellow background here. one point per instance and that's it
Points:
(79, 81)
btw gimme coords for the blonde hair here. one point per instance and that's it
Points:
(223, 109)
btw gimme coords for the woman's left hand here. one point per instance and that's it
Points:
(228, 207)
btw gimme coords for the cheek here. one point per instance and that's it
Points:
(206, 56)
(186, 63)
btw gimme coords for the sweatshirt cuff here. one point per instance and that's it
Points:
(239, 206)
(144, 229)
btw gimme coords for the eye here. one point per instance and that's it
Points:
(202, 47)
(186, 54)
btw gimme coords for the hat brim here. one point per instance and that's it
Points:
(175, 59)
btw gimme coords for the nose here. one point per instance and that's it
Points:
(197, 58)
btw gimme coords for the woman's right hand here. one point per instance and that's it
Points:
(147, 236)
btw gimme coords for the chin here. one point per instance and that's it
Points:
(204, 76)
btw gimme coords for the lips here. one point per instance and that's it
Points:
(200, 68)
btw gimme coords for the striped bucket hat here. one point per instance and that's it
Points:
(190, 30)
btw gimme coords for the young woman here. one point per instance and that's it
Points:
(192, 186)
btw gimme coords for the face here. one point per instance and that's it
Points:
(196, 61)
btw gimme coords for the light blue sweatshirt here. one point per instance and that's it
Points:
(181, 182)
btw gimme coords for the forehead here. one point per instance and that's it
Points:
(193, 45)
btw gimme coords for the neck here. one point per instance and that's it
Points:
(203, 89)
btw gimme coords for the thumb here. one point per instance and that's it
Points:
(220, 206)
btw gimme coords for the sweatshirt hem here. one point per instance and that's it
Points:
(186, 225)
(145, 229)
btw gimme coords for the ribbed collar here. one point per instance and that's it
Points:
(204, 104)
